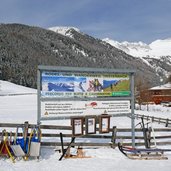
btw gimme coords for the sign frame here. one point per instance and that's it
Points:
(77, 129)
(104, 123)
(90, 120)
(130, 97)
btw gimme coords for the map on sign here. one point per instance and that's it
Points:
(63, 84)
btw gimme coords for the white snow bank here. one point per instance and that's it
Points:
(7, 88)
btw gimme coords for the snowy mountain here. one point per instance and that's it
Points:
(157, 54)
(23, 45)
(66, 31)
(155, 49)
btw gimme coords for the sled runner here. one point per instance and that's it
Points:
(143, 153)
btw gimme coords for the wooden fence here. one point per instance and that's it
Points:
(51, 136)
(165, 121)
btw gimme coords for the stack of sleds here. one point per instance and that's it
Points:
(147, 153)
(22, 145)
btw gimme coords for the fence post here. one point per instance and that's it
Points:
(148, 117)
(113, 140)
(149, 137)
(25, 133)
(167, 122)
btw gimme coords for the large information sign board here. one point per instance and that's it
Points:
(66, 91)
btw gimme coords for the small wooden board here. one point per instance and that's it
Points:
(146, 157)
(79, 154)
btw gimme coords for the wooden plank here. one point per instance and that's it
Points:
(163, 136)
(162, 129)
(129, 137)
(128, 130)
(83, 136)
(55, 127)
(162, 143)
(11, 125)
(74, 144)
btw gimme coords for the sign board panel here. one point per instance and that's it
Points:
(84, 85)
(67, 91)
(81, 108)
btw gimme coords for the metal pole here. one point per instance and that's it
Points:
(38, 97)
(132, 110)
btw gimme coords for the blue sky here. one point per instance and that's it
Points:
(130, 20)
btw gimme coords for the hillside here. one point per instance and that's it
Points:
(24, 47)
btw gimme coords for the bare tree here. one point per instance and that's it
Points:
(169, 79)
(143, 94)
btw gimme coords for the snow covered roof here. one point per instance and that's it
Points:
(161, 87)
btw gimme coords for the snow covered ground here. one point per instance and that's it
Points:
(19, 104)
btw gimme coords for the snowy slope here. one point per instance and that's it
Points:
(20, 108)
(139, 49)
(7, 88)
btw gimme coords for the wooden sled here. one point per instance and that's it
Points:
(76, 153)
(143, 154)
(71, 152)
(147, 156)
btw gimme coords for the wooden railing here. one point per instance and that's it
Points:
(165, 121)
(51, 136)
